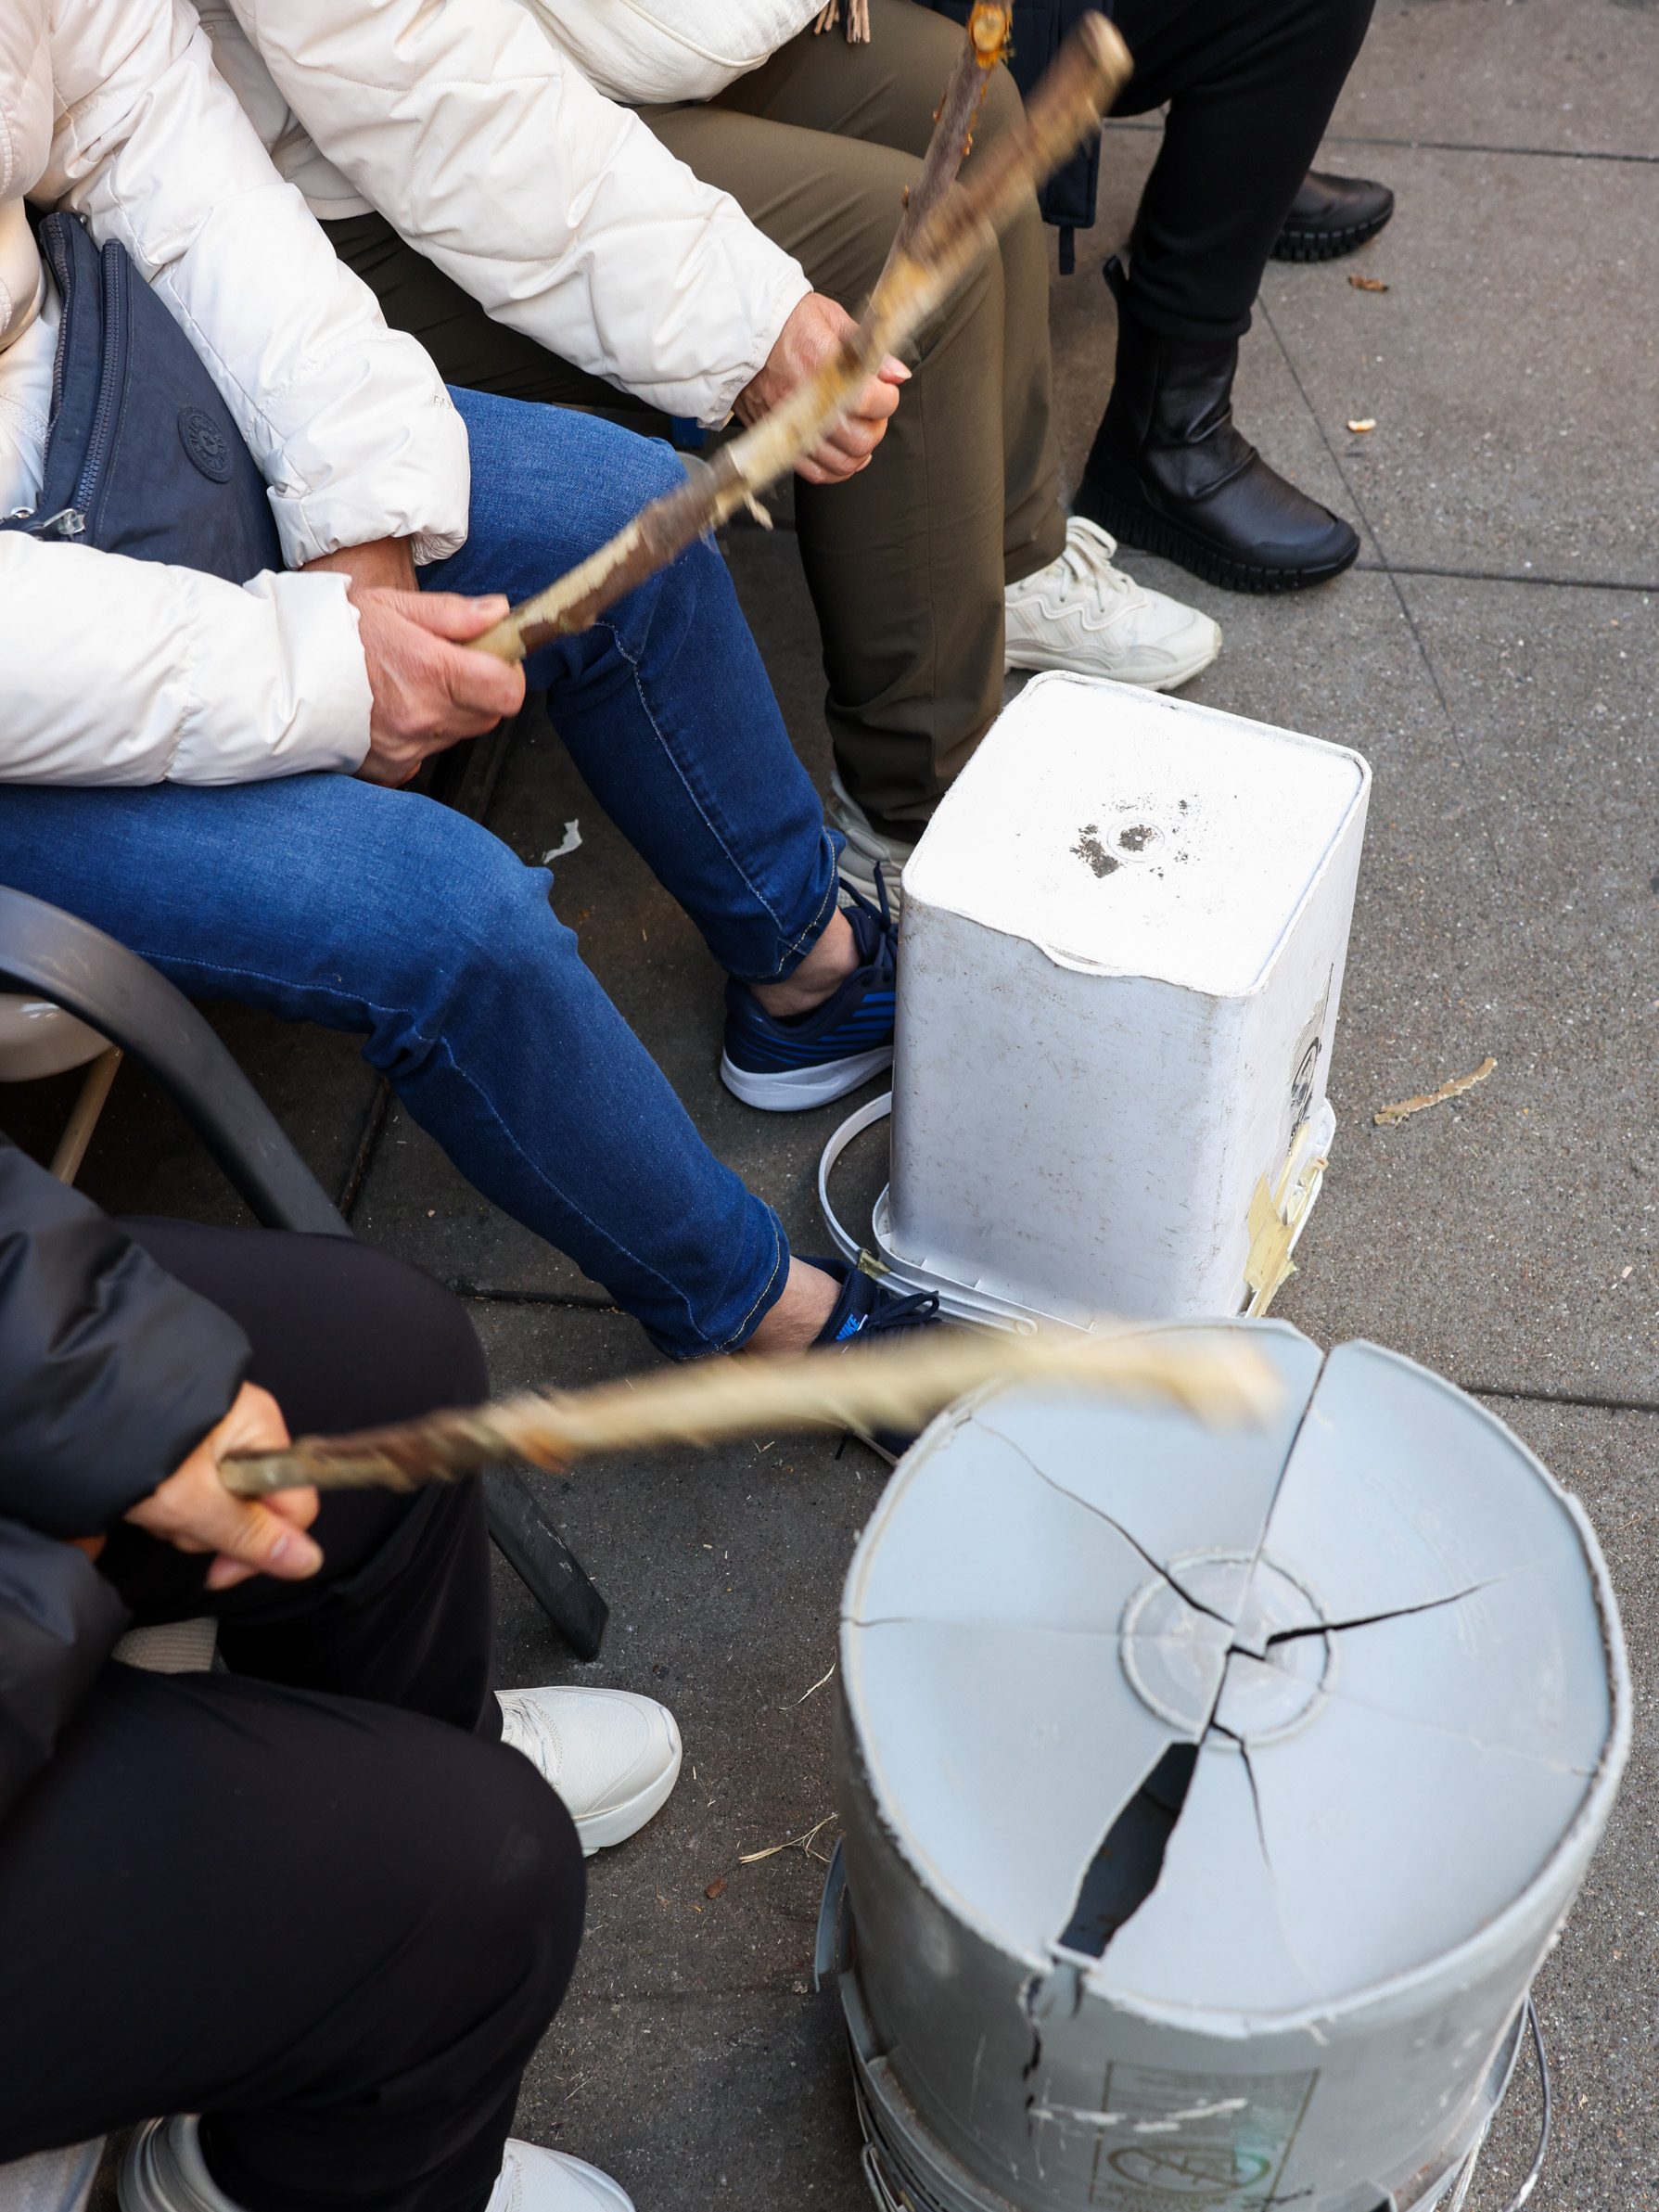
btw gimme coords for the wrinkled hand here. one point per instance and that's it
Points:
(194, 1512)
(429, 691)
(814, 332)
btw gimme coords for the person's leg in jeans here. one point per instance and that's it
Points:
(664, 704)
(1249, 91)
(322, 899)
(325, 899)
(313, 1899)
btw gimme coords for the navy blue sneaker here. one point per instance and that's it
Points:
(866, 1308)
(785, 1065)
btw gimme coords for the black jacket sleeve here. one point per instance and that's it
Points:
(58, 1623)
(110, 1371)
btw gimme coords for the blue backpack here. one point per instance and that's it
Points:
(1067, 199)
(142, 456)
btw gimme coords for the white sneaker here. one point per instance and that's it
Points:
(867, 854)
(532, 2180)
(1080, 613)
(612, 1755)
(163, 2170)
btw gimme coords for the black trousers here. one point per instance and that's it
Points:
(1250, 85)
(313, 1899)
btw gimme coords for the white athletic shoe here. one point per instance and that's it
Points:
(867, 854)
(1080, 613)
(164, 2171)
(612, 1755)
(532, 2180)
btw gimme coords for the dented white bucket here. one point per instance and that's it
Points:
(1123, 937)
(1210, 1798)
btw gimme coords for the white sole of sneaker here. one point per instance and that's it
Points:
(599, 1830)
(162, 2170)
(1036, 663)
(794, 1090)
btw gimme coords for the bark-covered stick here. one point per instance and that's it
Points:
(950, 241)
(983, 45)
(895, 1386)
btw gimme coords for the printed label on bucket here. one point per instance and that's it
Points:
(1199, 2143)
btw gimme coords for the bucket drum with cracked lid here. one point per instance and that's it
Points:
(1210, 1797)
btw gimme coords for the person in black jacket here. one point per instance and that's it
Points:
(314, 1899)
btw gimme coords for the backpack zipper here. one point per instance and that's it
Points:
(111, 377)
(68, 522)
(60, 271)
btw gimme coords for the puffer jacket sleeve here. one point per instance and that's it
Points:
(110, 1371)
(348, 421)
(110, 1374)
(558, 210)
(127, 671)
(58, 1622)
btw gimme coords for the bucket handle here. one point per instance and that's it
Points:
(1546, 2117)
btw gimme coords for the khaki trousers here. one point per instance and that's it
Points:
(906, 563)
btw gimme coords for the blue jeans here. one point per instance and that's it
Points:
(322, 899)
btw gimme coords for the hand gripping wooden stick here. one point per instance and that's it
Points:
(948, 242)
(899, 1386)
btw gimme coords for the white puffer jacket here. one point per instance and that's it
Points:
(661, 51)
(492, 154)
(123, 672)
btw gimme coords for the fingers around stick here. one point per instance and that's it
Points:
(448, 614)
(258, 1541)
(482, 688)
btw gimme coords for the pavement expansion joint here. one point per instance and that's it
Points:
(1578, 584)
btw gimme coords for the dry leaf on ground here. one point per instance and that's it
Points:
(1368, 283)
(1362, 423)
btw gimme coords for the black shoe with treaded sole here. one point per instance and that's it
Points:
(1331, 216)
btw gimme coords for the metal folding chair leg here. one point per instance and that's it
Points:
(545, 1563)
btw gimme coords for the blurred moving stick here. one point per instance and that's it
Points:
(947, 242)
(897, 1385)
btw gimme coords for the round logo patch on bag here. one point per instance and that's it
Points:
(206, 443)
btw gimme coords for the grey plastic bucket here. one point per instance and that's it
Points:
(1209, 1799)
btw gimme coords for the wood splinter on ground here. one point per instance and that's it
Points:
(792, 1843)
(1385, 1117)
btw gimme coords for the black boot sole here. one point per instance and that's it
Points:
(1151, 533)
(1327, 245)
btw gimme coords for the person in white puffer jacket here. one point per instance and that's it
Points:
(122, 671)
(543, 242)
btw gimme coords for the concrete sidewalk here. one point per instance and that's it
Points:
(1494, 654)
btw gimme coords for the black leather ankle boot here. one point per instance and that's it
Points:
(1170, 473)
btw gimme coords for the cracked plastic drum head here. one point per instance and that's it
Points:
(1385, 1632)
